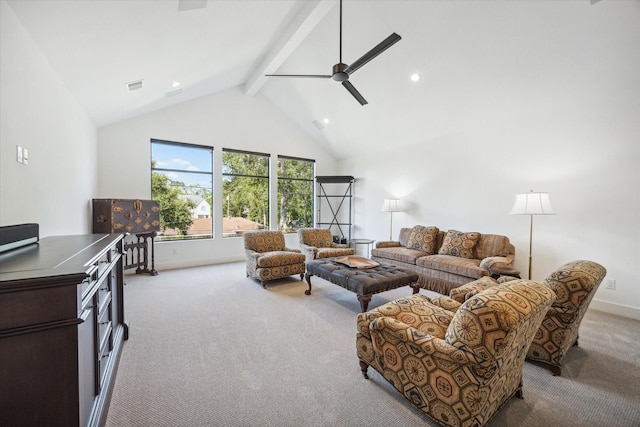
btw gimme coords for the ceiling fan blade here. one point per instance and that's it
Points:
(353, 91)
(381, 47)
(320, 76)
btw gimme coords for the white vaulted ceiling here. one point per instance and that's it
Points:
(481, 62)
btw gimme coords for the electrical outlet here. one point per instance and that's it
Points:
(610, 284)
(19, 154)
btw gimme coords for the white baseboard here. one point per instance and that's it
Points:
(618, 309)
(196, 263)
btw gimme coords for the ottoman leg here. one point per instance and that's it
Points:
(364, 301)
(416, 288)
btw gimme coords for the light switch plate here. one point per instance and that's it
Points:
(19, 154)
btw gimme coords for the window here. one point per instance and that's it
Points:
(295, 193)
(182, 182)
(245, 192)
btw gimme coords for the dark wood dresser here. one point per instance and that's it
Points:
(62, 329)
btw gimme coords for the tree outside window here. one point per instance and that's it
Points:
(245, 192)
(182, 183)
(295, 193)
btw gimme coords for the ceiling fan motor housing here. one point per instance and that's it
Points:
(339, 72)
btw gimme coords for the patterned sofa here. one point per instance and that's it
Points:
(268, 258)
(458, 363)
(318, 243)
(574, 284)
(445, 260)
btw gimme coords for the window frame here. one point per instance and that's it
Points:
(224, 175)
(311, 182)
(168, 170)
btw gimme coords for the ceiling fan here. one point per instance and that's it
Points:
(342, 71)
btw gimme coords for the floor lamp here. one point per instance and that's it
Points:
(391, 206)
(531, 204)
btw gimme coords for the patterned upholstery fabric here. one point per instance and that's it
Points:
(574, 284)
(441, 273)
(464, 292)
(268, 258)
(318, 243)
(459, 244)
(460, 368)
(424, 239)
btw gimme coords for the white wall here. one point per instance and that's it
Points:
(39, 113)
(582, 146)
(226, 120)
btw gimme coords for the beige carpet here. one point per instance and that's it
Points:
(209, 347)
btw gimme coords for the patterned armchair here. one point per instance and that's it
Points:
(268, 258)
(459, 367)
(318, 243)
(574, 284)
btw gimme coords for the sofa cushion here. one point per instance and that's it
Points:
(423, 239)
(399, 253)
(459, 244)
(453, 264)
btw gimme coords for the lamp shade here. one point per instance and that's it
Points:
(391, 205)
(532, 203)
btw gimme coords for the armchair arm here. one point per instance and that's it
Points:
(446, 303)
(310, 252)
(393, 330)
(252, 260)
(466, 291)
(298, 251)
(388, 244)
(497, 261)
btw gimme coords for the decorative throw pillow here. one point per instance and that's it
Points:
(459, 244)
(423, 239)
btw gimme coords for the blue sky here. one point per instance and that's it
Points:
(187, 158)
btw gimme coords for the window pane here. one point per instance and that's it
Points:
(245, 192)
(182, 182)
(295, 193)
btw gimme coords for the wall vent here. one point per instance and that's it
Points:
(131, 86)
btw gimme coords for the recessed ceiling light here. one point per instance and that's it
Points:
(175, 84)
(326, 120)
(415, 77)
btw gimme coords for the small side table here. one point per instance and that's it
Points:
(496, 272)
(368, 242)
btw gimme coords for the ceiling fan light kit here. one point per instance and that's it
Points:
(342, 71)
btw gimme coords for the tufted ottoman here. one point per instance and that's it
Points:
(364, 282)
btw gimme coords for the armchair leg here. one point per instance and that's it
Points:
(307, 276)
(555, 370)
(363, 369)
(519, 394)
(264, 284)
(416, 288)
